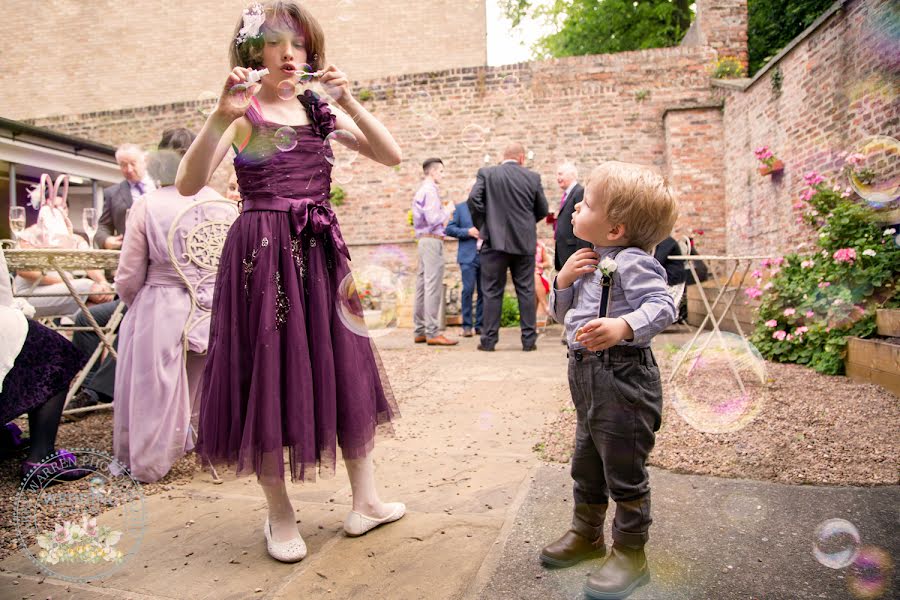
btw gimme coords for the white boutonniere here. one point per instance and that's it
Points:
(254, 17)
(608, 266)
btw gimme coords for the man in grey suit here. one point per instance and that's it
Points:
(506, 202)
(117, 199)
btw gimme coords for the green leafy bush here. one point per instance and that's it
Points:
(814, 302)
(509, 313)
(337, 195)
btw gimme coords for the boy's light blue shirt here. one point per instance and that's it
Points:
(639, 296)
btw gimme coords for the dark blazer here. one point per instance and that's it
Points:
(458, 227)
(566, 242)
(116, 200)
(506, 202)
(675, 271)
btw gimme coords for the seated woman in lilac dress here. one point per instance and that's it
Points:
(155, 415)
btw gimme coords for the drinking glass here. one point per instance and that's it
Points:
(17, 221)
(90, 220)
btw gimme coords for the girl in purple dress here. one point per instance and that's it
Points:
(283, 370)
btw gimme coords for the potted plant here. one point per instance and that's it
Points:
(770, 164)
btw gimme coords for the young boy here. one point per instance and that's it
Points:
(613, 300)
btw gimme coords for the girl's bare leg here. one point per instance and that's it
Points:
(365, 491)
(281, 513)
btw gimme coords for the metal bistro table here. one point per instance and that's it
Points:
(62, 261)
(724, 285)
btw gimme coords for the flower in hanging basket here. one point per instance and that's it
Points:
(770, 163)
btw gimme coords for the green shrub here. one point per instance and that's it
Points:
(509, 314)
(337, 195)
(814, 302)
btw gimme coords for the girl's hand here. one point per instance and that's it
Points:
(236, 94)
(336, 84)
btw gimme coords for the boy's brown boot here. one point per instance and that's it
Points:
(624, 571)
(571, 549)
(574, 547)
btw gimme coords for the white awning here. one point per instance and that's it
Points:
(51, 159)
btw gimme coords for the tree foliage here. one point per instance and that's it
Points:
(767, 35)
(604, 26)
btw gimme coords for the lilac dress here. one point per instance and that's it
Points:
(155, 416)
(283, 370)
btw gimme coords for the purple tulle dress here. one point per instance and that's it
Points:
(283, 370)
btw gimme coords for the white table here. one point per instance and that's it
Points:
(62, 261)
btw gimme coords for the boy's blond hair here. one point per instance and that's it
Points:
(636, 196)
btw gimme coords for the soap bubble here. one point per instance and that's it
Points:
(873, 170)
(720, 384)
(486, 421)
(429, 126)
(207, 102)
(342, 174)
(344, 147)
(285, 139)
(509, 85)
(473, 136)
(870, 573)
(836, 543)
(241, 94)
(368, 300)
(344, 10)
(305, 73)
(286, 89)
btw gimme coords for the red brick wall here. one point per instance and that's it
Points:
(587, 109)
(721, 25)
(839, 86)
(694, 164)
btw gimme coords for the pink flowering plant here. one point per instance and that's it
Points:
(765, 156)
(812, 303)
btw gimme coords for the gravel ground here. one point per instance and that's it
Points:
(94, 431)
(812, 429)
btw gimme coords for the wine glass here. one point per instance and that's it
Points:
(17, 221)
(90, 221)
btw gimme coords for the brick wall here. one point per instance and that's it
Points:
(585, 109)
(74, 56)
(694, 164)
(839, 86)
(721, 25)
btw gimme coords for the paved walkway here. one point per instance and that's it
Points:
(480, 506)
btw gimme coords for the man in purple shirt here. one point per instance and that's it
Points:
(430, 216)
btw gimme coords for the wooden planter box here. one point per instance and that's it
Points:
(743, 308)
(874, 361)
(888, 322)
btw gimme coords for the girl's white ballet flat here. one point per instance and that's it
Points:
(357, 524)
(289, 552)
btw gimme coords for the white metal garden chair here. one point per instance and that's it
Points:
(194, 245)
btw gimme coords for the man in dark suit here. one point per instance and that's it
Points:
(461, 227)
(506, 202)
(572, 193)
(117, 199)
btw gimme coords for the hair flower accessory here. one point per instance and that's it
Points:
(254, 17)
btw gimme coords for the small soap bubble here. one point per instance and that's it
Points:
(207, 102)
(286, 89)
(344, 10)
(241, 94)
(429, 126)
(873, 170)
(836, 543)
(368, 300)
(870, 574)
(344, 147)
(509, 85)
(305, 73)
(473, 136)
(285, 139)
(720, 385)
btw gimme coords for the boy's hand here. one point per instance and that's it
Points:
(585, 260)
(604, 333)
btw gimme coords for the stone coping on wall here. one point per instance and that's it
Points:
(696, 106)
